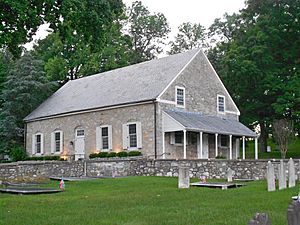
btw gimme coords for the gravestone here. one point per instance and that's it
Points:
(281, 175)
(260, 219)
(229, 175)
(183, 177)
(293, 213)
(271, 177)
(292, 176)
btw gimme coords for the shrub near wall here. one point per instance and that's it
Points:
(121, 154)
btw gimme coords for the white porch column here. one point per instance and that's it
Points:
(216, 145)
(163, 145)
(244, 147)
(184, 144)
(199, 145)
(256, 148)
(230, 146)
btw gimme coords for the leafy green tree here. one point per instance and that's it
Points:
(147, 31)
(25, 88)
(190, 36)
(77, 49)
(259, 62)
(20, 21)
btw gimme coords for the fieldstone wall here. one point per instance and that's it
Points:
(247, 169)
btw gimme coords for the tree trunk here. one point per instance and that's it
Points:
(263, 137)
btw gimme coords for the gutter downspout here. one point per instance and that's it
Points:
(155, 132)
(25, 136)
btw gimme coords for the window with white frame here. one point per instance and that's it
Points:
(56, 142)
(37, 143)
(180, 96)
(223, 140)
(176, 138)
(132, 135)
(104, 138)
(221, 103)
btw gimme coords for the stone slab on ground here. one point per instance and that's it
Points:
(16, 190)
(223, 186)
(82, 178)
(244, 180)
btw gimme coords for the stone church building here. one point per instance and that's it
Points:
(174, 107)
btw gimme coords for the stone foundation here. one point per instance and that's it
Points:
(244, 169)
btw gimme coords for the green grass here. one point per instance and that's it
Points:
(293, 151)
(145, 200)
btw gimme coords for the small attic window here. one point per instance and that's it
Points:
(221, 103)
(180, 96)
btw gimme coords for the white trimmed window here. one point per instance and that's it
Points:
(176, 138)
(180, 96)
(56, 142)
(223, 140)
(132, 136)
(38, 144)
(221, 103)
(104, 138)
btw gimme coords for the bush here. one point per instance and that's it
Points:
(122, 154)
(41, 158)
(134, 153)
(103, 154)
(18, 153)
(112, 154)
(93, 155)
(220, 157)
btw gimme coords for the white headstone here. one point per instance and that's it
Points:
(292, 176)
(268, 148)
(281, 175)
(271, 177)
(183, 177)
(229, 175)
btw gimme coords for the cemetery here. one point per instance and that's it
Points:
(154, 197)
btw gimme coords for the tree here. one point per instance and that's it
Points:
(25, 88)
(259, 62)
(190, 36)
(20, 21)
(283, 134)
(147, 31)
(89, 19)
(77, 49)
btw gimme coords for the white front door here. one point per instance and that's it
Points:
(79, 144)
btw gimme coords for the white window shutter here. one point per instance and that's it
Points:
(125, 136)
(98, 138)
(33, 144)
(52, 142)
(61, 142)
(109, 127)
(42, 144)
(172, 138)
(139, 134)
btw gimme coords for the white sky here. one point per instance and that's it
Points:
(195, 11)
(178, 12)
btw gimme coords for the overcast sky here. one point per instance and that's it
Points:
(179, 11)
(195, 11)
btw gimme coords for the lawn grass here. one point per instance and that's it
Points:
(293, 150)
(145, 200)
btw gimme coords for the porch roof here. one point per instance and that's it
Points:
(209, 124)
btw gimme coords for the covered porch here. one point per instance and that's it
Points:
(190, 135)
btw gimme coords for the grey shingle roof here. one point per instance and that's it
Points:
(135, 83)
(210, 124)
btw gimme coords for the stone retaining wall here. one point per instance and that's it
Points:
(250, 169)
